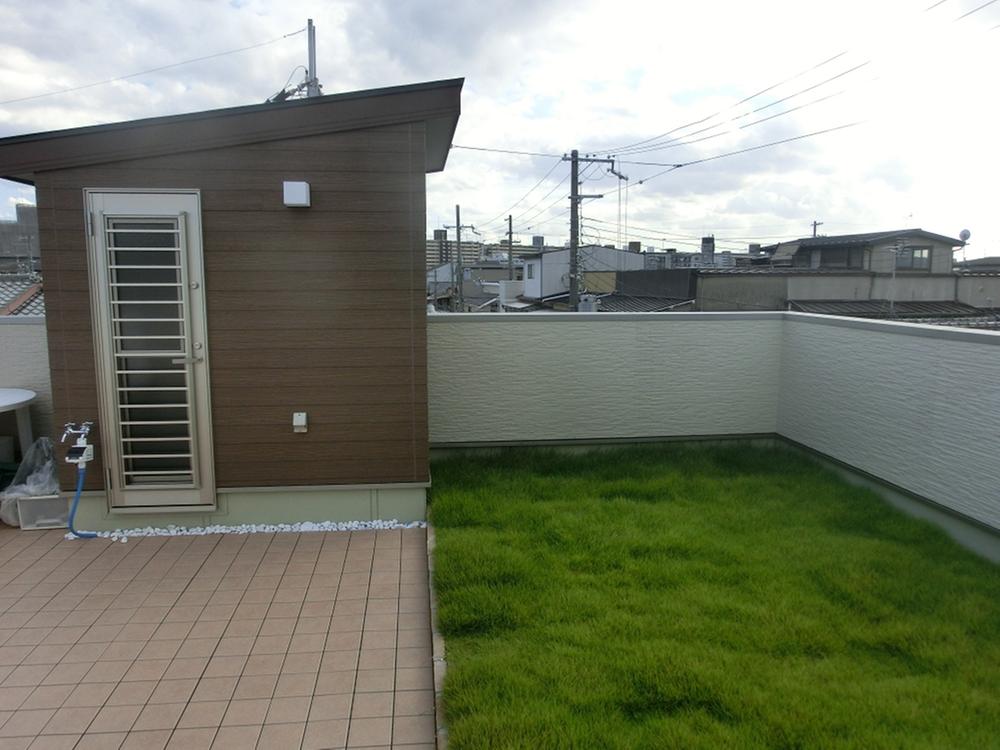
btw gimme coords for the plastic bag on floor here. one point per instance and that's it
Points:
(36, 476)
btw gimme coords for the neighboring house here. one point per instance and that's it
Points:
(442, 283)
(546, 274)
(835, 272)
(989, 264)
(19, 241)
(234, 268)
(906, 250)
(910, 265)
(21, 295)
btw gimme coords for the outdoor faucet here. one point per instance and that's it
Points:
(81, 451)
(71, 429)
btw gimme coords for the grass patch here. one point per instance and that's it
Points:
(679, 596)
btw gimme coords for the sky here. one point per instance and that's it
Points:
(684, 81)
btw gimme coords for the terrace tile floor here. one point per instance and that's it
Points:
(314, 640)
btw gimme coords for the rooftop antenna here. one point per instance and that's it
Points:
(312, 81)
(311, 84)
(964, 236)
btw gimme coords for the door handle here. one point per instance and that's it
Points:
(186, 360)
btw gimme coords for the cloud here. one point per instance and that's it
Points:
(552, 76)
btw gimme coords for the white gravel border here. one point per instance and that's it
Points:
(123, 535)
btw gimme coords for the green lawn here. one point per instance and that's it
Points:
(677, 596)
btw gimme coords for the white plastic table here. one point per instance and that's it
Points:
(17, 400)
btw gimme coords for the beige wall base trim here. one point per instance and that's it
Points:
(440, 450)
(235, 507)
(971, 533)
(332, 487)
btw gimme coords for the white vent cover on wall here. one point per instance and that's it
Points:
(297, 194)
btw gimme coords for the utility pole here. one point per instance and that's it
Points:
(574, 228)
(892, 288)
(574, 221)
(816, 224)
(459, 272)
(510, 247)
(312, 87)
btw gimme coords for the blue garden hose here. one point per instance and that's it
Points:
(81, 474)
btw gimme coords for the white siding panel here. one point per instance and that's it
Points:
(919, 411)
(551, 376)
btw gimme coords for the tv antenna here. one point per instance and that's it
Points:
(311, 84)
(964, 236)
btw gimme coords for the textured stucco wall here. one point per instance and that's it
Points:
(569, 376)
(917, 406)
(979, 291)
(913, 286)
(24, 363)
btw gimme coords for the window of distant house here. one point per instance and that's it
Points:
(531, 270)
(914, 259)
(842, 257)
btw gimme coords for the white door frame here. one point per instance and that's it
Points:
(183, 206)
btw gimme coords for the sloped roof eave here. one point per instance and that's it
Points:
(435, 103)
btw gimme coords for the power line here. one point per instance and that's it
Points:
(528, 223)
(727, 109)
(151, 70)
(507, 151)
(674, 142)
(976, 10)
(530, 191)
(542, 199)
(674, 167)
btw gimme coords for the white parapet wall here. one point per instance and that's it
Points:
(24, 363)
(917, 406)
(534, 377)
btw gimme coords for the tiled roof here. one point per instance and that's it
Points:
(866, 238)
(628, 303)
(21, 295)
(781, 271)
(982, 322)
(879, 308)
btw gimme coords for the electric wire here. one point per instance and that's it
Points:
(506, 151)
(530, 191)
(531, 222)
(976, 10)
(150, 70)
(742, 101)
(675, 167)
(673, 142)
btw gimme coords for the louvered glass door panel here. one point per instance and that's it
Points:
(146, 292)
(150, 333)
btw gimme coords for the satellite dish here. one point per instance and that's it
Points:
(964, 235)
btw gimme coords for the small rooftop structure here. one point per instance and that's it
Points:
(227, 340)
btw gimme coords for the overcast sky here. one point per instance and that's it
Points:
(547, 77)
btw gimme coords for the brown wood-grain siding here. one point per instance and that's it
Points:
(318, 310)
